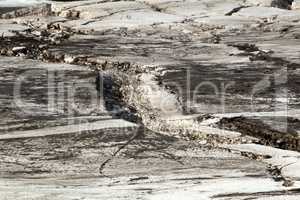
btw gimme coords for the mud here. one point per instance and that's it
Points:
(268, 136)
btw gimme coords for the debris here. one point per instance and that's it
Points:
(19, 49)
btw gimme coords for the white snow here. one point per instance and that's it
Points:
(289, 161)
(19, 3)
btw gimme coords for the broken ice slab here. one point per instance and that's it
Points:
(36, 95)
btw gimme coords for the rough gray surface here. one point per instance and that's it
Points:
(197, 80)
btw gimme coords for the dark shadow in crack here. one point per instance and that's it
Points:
(109, 92)
(259, 194)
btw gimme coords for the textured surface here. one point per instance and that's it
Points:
(150, 100)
